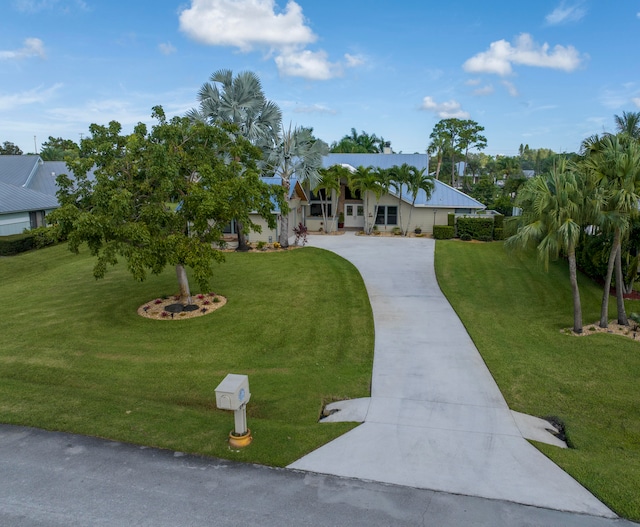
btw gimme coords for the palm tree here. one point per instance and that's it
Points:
(437, 148)
(628, 124)
(366, 181)
(613, 163)
(552, 213)
(329, 182)
(399, 177)
(417, 181)
(297, 152)
(241, 102)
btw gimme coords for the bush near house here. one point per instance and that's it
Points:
(443, 232)
(477, 228)
(17, 243)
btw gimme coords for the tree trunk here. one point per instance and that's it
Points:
(604, 309)
(183, 282)
(242, 241)
(573, 277)
(438, 168)
(283, 236)
(622, 314)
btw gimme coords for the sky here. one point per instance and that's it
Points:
(545, 74)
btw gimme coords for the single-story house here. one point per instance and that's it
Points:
(358, 211)
(27, 191)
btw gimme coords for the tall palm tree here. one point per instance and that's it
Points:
(240, 101)
(417, 181)
(297, 152)
(552, 209)
(437, 148)
(613, 163)
(328, 183)
(366, 181)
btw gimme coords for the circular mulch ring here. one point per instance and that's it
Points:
(170, 309)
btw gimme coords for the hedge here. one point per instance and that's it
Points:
(451, 220)
(443, 232)
(477, 228)
(17, 243)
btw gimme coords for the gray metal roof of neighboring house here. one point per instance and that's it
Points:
(442, 196)
(44, 179)
(376, 160)
(16, 170)
(277, 180)
(18, 199)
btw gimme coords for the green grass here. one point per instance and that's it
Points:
(515, 311)
(75, 356)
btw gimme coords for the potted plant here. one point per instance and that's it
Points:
(418, 230)
(341, 220)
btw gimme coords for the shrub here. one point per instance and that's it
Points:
(498, 221)
(476, 228)
(465, 237)
(485, 238)
(418, 230)
(17, 243)
(276, 245)
(443, 232)
(451, 220)
(301, 234)
(498, 234)
(397, 231)
(261, 246)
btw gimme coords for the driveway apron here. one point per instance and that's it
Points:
(436, 418)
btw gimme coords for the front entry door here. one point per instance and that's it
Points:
(354, 215)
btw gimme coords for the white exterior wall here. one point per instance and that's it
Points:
(14, 223)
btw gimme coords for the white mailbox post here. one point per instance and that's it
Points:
(233, 394)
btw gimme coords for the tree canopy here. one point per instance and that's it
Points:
(9, 149)
(161, 197)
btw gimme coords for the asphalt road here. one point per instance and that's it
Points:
(60, 480)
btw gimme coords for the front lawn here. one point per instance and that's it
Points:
(75, 356)
(514, 312)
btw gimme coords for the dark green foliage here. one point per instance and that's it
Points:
(466, 237)
(498, 221)
(451, 220)
(443, 232)
(477, 228)
(16, 243)
(498, 233)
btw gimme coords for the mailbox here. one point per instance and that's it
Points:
(233, 392)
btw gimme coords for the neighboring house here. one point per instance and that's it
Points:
(27, 191)
(358, 210)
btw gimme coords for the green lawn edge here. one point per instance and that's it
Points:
(515, 313)
(75, 356)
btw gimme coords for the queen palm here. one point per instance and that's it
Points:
(629, 124)
(552, 208)
(417, 181)
(240, 101)
(366, 181)
(297, 152)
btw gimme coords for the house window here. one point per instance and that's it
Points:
(387, 215)
(36, 219)
(315, 209)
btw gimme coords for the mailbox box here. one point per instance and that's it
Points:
(233, 392)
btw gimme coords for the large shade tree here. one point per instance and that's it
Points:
(240, 101)
(552, 217)
(161, 197)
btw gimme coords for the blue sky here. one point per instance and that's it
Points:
(545, 73)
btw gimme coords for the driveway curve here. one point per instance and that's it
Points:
(436, 418)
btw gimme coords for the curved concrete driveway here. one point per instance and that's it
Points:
(436, 418)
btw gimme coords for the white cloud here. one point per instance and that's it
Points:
(36, 96)
(636, 101)
(354, 60)
(474, 82)
(33, 47)
(166, 48)
(315, 108)
(511, 88)
(445, 110)
(485, 90)
(259, 24)
(502, 55)
(566, 13)
(245, 24)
